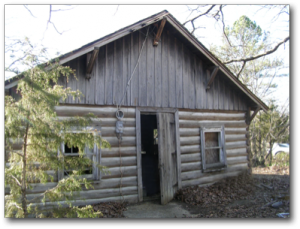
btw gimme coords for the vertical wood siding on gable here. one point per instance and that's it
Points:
(172, 73)
(142, 71)
(135, 78)
(90, 86)
(178, 72)
(168, 75)
(100, 77)
(126, 67)
(150, 73)
(81, 71)
(109, 75)
(165, 68)
(119, 88)
(158, 75)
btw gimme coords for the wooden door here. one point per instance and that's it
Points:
(167, 156)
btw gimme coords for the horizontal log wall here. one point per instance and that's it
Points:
(168, 75)
(121, 181)
(122, 162)
(235, 138)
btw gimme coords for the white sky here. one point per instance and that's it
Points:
(86, 23)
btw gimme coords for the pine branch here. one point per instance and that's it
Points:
(17, 181)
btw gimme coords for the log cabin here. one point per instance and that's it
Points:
(181, 116)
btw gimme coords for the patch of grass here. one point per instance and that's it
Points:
(281, 159)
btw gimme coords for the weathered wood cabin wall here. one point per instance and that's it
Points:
(121, 183)
(235, 141)
(169, 75)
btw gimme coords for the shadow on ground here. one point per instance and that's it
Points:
(153, 209)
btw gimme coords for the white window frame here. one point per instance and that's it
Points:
(221, 146)
(96, 157)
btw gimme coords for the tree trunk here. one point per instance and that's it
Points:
(271, 153)
(23, 179)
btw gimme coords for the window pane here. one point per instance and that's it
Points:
(212, 156)
(211, 139)
(75, 149)
(71, 150)
(67, 149)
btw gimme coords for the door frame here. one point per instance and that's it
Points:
(155, 110)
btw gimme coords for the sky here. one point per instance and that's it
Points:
(81, 24)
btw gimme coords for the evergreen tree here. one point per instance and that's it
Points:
(247, 39)
(32, 121)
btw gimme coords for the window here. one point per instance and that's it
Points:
(74, 152)
(213, 148)
(91, 171)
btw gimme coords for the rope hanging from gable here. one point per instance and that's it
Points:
(138, 60)
(120, 115)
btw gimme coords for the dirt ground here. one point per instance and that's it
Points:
(265, 194)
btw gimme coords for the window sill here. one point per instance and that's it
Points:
(215, 169)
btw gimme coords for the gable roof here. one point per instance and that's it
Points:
(143, 23)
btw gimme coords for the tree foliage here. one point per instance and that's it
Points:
(268, 128)
(216, 13)
(249, 39)
(32, 122)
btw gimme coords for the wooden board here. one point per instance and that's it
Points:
(178, 70)
(167, 156)
(90, 89)
(185, 79)
(142, 88)
(109, 75)
(118, 87)
(72, 81)
(165, 68)
(81, 75)
(172, 78)
(138, 155)
(158, 76)
(134, 95)
(126, 68)
(149, 49)
(191, 65)
(198, 85)
(100, 77)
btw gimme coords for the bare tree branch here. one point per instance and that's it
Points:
(238, 75)
(258, 56)
(116, 10)
(193, 19)
(17, 60)
(64, 9)
(29, 11)
(50, 22)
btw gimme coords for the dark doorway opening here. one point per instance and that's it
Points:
(150, 170)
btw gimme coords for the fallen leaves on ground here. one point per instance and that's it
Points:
(110, 209)
(256, 196)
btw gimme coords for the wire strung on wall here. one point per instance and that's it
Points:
(128, 83)
(120, 115)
